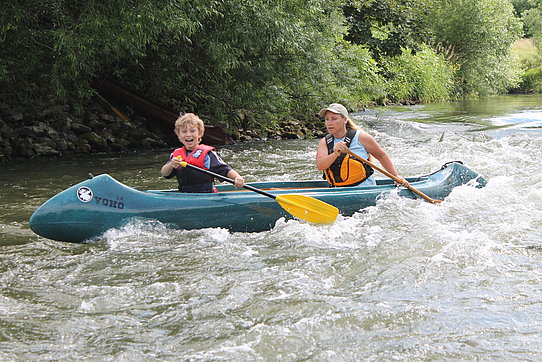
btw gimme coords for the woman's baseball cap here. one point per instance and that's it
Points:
(335, 108)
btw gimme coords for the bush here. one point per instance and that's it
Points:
(424, 76)
(531, 81)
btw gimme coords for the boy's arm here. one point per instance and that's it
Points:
(239, 181)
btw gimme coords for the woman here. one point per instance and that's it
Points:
(339, 168)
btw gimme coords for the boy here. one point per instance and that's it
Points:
(189, 128)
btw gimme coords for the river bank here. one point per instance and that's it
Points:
(55, 130)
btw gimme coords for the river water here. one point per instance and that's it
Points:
(404, 280)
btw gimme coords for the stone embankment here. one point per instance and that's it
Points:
(56, 130)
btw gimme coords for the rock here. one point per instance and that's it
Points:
(71, 137)
(70, 146)
(62, 144)
(149, 142)
(45, 141)
(120, 144)
(23, 147)
(131, 130)
(7, 132)
(50, 129)
(80, 129)
(96, 125)
(319, 134)
(293, 135)
(95, 141)
(108, 118)
(82, 146)
(14, 115)
(5, 149)
(44, 150)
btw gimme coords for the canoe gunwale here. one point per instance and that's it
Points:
(271, 186)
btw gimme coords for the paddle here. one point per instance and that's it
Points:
(301, 206)
(395, 178)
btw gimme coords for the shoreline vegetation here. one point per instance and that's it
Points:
(259, 78)
(56, 131)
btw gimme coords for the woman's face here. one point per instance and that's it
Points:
(335, 123)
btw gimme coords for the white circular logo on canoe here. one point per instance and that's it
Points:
(84, 194)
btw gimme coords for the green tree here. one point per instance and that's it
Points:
(218, 58)
(532, 17)
(520, 6)
(58, 46)
(242, 63)
(477, 35)
(388, 26)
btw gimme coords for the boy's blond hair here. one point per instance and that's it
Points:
(189, 119)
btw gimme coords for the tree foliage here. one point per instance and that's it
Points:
(423, 76)
(220, 58)
(532, 18)
(475, 36)
(478, 34)
(520, 6)
(388, 26)
(238, 62)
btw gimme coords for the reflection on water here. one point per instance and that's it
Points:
(521, 120)
(520, 113)
(404, 280)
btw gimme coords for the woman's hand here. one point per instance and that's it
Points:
(339, 148)
(403, 182)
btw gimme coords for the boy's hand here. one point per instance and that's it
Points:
(239, 182)
(176, 161)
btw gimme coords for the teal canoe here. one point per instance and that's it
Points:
(88, 209)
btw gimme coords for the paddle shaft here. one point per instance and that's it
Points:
(223, 178)
(393, 177)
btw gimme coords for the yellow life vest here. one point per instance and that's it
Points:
(345, 170)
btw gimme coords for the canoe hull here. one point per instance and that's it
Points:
(88, 209)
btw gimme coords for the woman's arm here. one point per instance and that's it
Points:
(323, 159)
(374, 149)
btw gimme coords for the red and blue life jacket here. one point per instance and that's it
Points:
(191, 180)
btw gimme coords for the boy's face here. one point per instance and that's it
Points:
(189, 136)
